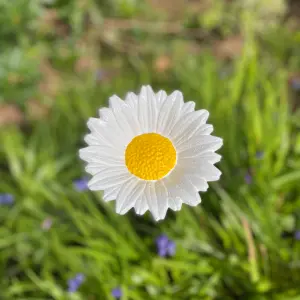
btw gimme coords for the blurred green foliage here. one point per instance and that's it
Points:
(69, 56)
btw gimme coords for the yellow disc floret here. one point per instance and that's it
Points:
(150, 156)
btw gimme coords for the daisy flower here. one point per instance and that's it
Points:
(151, 152)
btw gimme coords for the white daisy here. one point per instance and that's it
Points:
(151, 152)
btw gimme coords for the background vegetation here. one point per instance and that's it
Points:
(61, 60)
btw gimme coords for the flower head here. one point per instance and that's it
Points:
(295, 83)
(225, 73)
(75, 282)
(47, 223)
(6, 199)
(259, 154)
(100, 74)
(151, 152)
(248, 178)
(81, 184)
(171, 248)
(116, 293)
(165, 246)
(297, 235)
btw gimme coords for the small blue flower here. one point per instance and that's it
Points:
(171, 248)
(223, 74)
(81, 184)
(248, 178)
(165, 246)
(47, 224)
(6, 199)
(100, 74)
(297, 235)
(295, 83)
(75, 282)
(259, 154)
(116, 293)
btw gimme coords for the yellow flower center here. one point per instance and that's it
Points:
(150, 156)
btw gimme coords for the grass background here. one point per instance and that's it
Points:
(61, 60)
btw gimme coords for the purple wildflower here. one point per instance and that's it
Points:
(165, 246)
(297, 235)
(6, 199)
(171, 248)
(223, 74)
(248, 178)
(47, 223)
(116, 293)
(100, 74)
(259, 154)
(75, 282)
(295, 83)
(81, 184)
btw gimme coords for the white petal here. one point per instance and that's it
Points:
(210, 157)
(111, 193)
(145, 107)
(169, 113)
(128, 195)
(187, 192)
(152, 109)
(107, 134)
(162, 199)
(95, 168)
(106, 157)
(178, 185)
(132, 101)
(195, 134)
(187, 123)
(199, 183)
(205, 170)
(209, 172)
(188, 107)
(202, 166)
(141, 205)
(190, 170)
(161, 96)
(193, 163)
(106, 114)
(116, 103)
(199, 145)
(118, 107)
(94, 126)
(91, 139)
(205, 129)
(126, 120)
(103, 150)
(104, 160)
(152, 200)
(174, 203)
(108, 178)
(143, 116)
(196, 148)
